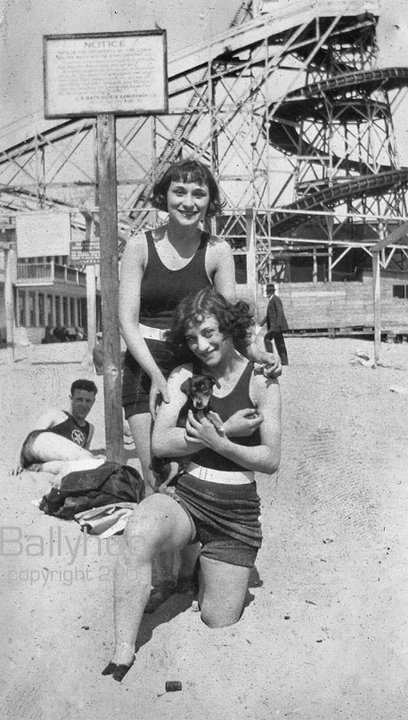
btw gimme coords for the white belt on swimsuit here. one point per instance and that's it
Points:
(150, 333)
(227, 477)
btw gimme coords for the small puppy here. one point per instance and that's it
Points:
(198, 389)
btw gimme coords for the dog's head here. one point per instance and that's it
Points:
(198, 389)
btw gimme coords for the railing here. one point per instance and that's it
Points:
(34, 272)
(39, 273)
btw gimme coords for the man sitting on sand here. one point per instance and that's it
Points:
(61, 440)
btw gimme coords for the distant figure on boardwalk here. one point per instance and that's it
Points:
(48, 336)
(61, 334)
(276, 325)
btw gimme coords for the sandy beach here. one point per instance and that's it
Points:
(324, 635)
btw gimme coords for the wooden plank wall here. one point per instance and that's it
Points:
(339, 305)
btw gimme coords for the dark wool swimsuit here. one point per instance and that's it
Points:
(225, 516)
(160, 293)
(68, 429)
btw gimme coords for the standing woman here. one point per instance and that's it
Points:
(215, 500)
(158, 269)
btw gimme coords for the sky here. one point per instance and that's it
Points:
(24, 22)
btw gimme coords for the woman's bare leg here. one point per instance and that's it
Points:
(157, 522)
(163, 575)
(141, 427)
(223, 589)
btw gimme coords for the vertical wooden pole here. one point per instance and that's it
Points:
(329, 266)
(252, 275)
(377, 300)
(10, 267)
(314, 267)
(106, 162)
(90, 307)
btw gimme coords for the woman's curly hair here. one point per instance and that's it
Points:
(186, 171)
(234, 320)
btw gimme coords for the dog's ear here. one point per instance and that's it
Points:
(212, 380)
(185, 387)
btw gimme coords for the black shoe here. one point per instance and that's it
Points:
(118, 672)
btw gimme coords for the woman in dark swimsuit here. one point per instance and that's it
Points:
(158, 269)
(215, 500)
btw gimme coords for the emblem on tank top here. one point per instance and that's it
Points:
(77, 436)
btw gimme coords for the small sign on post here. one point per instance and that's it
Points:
(103, 75)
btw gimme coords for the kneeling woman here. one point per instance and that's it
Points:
(215, 499)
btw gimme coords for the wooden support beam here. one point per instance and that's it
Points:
(314, 267)
(106, 161)
(377, 306)
(10, 267)
(252, 274)
(91, 307)
(396, 235)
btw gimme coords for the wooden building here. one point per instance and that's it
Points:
(47, 292)
(344, 307)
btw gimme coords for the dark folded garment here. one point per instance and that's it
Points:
(85, 489)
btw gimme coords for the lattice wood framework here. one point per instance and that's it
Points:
(290, 112)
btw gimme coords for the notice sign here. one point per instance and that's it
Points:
(85, 252)
(119, 73)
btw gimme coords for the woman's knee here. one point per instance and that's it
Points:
(138, 548)
(141, 538)
(218, 618)
(146, 532)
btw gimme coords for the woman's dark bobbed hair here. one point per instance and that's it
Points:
(234, 320)
(188, 170)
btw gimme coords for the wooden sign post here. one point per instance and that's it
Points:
(10, 267)
(106, 159)
(377, 306)
(104, 75)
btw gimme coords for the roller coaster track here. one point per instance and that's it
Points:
(299, 32)
(346, 98)
(369, 185)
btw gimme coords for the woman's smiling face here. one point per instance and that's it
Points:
(187, 202)
(206, 341)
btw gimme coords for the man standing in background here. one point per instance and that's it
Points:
(276, 324)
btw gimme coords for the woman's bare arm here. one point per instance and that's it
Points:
(265, 394)
(221, 268)
(168, 440)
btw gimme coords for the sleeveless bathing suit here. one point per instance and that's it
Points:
(237, 399)
(225, 516)
(160, 293)
(162, 289)
(70, 429)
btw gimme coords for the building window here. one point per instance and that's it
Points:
(400, 292)
(50, 320)
(65, 320)
(72, 312)
(22, 317)
(57, 310)
(31, 309)
(41, 310)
